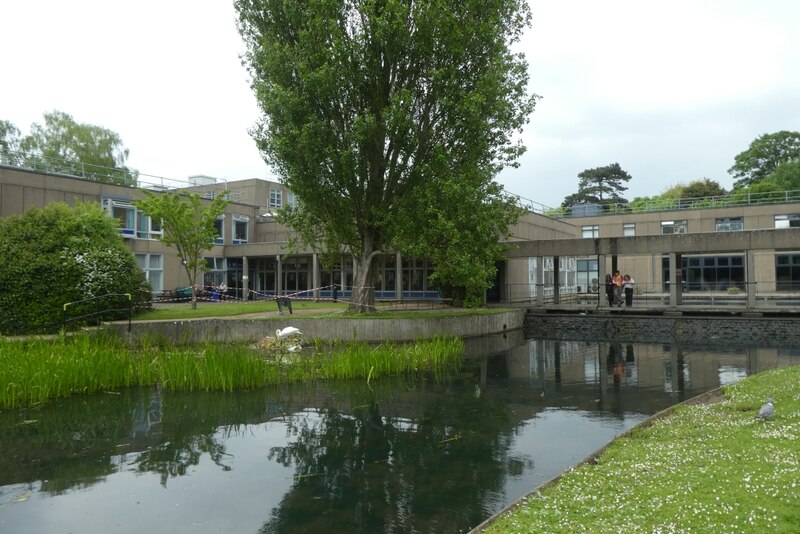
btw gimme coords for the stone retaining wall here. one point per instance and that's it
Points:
(367, 329)
(719, 331)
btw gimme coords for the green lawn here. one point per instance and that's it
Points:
(704, 468)
(183, 310)
(308, 309)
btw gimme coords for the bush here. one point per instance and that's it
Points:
(61, 254)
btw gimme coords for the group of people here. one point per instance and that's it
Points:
(617, 286)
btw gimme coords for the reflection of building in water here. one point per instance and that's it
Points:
(665, 367)
(146, 418)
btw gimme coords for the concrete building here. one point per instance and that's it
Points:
(744, 248)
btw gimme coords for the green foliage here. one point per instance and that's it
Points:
(462, 234)
(37, 371)
(366, 103)
(601, 185)
(703, 188)
(187, 223)
(60, 254)
(9, 143)
(66, 146)
(785, 177)
(763, 157)
(703, 468)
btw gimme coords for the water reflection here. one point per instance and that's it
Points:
(401, 455)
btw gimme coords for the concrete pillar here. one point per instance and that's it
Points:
(750, 278)
(245, 278)
(601, 280)
(675, 280)
(315, 275)
(398, 276)
(540, 281)
(278, 275)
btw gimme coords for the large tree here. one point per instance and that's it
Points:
(379, 113)
(9, 143)
(600, 185)
(187, 223)
(87, 150)
(763, 156)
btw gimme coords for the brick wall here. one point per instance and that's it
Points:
(715, 331)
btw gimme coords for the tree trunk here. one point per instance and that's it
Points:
(363, 288)
(192, 279)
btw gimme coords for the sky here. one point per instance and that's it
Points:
(672, 91)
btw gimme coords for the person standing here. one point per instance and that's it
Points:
(609, 290)
(627, 286)
(617, 281)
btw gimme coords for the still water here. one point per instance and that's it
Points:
(411, 455)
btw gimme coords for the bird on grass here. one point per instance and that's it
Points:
(767, 410)
(288, 331)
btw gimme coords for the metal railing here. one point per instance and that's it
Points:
(95, 173)
(677, 204)
(658, 296)
(96, 310)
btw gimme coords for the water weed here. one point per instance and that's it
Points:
(33, 372)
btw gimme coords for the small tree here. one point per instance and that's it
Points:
(59, 254)
(188, 225)
(601, 185)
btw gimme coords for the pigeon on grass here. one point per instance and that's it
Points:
(767, 410)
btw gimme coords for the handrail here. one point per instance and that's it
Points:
(97, 312)
(690, 203)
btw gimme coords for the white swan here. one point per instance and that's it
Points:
(288, 331)
(295, 348)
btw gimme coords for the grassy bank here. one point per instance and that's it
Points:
(183, 310)
(34, 372)
(704, 468)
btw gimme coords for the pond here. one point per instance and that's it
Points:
(397, 455)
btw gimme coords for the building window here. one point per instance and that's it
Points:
(216, 272)
(296, 273)
(219, 228)
(586, 276)
(124, 212)
(415, 274)
(730, 224)
(291, 199)
(674, 227)
(629, 229)
(590, 231)
(153, 267)
(275, 198)
(787, 221)
(240, 229)
(708, 273)
(146, 228)
(333, 276)
(787, 272)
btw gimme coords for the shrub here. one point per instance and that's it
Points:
(61, 254)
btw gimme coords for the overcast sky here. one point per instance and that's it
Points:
(672, 91)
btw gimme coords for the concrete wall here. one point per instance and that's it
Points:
(754, 216)
(699, 331)
(370, 330)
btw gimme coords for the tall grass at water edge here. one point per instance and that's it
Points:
(33, 372)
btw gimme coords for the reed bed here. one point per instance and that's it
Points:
(33, 372)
